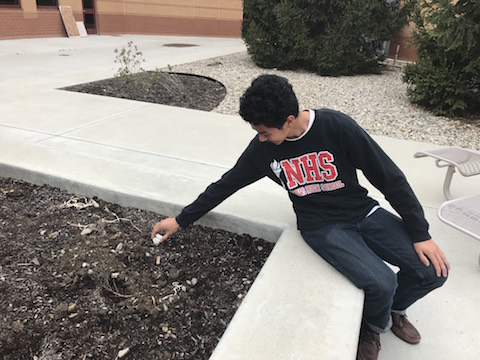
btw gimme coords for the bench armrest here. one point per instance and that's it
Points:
(465, 161)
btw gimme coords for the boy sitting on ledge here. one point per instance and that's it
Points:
(314, 155)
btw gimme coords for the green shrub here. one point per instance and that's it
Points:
(341, 37)
(446, 76)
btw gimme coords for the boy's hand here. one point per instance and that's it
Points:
(428, 251)
(169, 226)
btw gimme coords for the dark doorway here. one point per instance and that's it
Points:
(89, 17)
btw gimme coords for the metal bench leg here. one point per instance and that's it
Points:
(447, 182)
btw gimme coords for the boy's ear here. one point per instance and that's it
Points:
(290, 119)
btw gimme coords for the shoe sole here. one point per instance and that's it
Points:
(407, 340)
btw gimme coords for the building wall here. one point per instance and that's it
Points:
(166, 17)
(401, 49)
(26, 21)
(15, 23)
(172, 17)
(30, 21)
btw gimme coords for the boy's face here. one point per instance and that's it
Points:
(270, 134)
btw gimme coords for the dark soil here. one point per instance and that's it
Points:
(64, 295)
(81, 279)
(167, 88)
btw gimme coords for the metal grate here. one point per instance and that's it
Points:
(462, 214)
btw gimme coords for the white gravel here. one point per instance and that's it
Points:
(377, 102)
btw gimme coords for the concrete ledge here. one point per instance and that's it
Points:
(299, 307)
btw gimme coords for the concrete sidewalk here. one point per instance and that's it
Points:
(160, 158)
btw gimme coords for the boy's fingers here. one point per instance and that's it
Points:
(165, 236)
(437, 258)
(424, 260)
(422, 257)
(156, 230)
(154, 233)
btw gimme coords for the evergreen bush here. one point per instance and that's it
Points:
(330, 37)
(446, 76)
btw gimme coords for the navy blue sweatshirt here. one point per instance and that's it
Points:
(318, 170)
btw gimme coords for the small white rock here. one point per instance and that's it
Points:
(157, 239)
(86, 231)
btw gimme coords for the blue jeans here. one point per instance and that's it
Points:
(358, 251)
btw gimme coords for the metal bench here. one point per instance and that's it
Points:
(465, 161)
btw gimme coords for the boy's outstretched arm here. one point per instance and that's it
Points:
(242, 174)
(168, 226)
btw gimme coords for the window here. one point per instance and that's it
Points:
(46, 2)
(88, 4)
(10, 2)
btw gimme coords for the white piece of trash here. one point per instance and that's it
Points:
(123, 352)
(157, 239)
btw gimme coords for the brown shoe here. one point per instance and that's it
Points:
(404, 329)
(368, 345)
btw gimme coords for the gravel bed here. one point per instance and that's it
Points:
(377, 102)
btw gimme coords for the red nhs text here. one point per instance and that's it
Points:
(309, 168)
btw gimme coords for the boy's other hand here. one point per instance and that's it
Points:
(428, 251)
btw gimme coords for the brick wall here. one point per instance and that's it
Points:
(180, 17)
(15, 24)
(405, 52)
(115, 24)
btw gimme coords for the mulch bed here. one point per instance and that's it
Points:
(81, 279)
(167, 88)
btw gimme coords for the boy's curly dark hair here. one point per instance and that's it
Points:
(268, 101)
